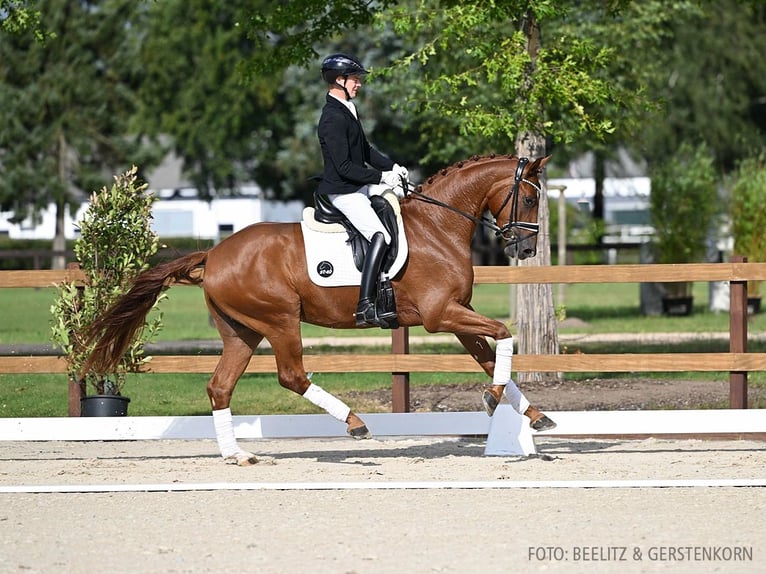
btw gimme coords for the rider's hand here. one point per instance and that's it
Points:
(391, 179)
(401, 171)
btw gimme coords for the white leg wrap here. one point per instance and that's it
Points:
(502, 376)
(224, 433)
(517, 399)
(503, 360)
(326, 401)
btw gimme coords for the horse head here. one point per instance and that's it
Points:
(506, 186)
(516, 201)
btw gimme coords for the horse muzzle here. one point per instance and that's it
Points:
(521, 249)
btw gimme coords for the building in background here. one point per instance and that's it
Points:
(178, 212)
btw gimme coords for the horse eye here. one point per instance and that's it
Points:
(529, 201)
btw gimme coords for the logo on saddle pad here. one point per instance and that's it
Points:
(325, 269)
(329, 256)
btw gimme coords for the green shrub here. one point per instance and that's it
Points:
(115, 245)
(684, 205)
(748, 213)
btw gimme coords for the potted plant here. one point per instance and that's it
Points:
(683, 207)
(748, 219)
(114, 246)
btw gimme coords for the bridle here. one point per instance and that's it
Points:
(510, 232)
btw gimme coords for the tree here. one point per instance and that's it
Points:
(225, 129)
(17, 17)
(288, 33)
(711, 77)
(637, 30)
(66, 106)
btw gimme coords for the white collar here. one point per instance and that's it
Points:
(348, 103)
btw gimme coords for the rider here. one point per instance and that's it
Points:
(351, 165)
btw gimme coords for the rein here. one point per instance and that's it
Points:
(491, 224)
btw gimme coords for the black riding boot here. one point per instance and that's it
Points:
(366, 311)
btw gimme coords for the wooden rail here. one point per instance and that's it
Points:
(738, 362)
(392, 363)
(639, 273)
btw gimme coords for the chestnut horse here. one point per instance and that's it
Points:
(257, 286)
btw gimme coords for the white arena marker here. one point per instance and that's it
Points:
(245, 426)
(433, 485)
(509, 434)
(570, 423)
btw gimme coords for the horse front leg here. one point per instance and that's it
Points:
(498, 365)
(288, 352)
(471, 329)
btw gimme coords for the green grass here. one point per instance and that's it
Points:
(605, 308)
(601, 308)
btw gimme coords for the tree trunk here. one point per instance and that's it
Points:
(536, 328)
(537, 331)
(599, 174)
(59, 239)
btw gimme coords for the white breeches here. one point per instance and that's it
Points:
(358, 209)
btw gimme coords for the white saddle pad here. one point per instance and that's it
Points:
(328, 254)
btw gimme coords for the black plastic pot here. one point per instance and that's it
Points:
(104, 406)
(677, 306)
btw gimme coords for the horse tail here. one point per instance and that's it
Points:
(113, 332)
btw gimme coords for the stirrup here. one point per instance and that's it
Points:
(386, 300)
(367, 315)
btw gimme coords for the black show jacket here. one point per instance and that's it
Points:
(350, 162)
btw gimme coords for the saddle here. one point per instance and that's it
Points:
(335, 250)
(326, 212)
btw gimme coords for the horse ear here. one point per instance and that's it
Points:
(538, 165)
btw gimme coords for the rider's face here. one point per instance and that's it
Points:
(351, 83)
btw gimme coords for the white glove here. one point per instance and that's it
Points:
(390, 179)
(393, 179)
(401, 171)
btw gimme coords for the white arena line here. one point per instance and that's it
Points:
(436, 485)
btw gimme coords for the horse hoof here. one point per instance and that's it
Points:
(543, 424)
(490, 402)
(248, 461)
(242, 458)
(359, 433)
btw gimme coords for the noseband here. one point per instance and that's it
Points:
(509, 231)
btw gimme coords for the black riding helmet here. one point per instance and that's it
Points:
(337, 65)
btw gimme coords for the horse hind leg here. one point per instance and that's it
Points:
(288, 352)
(238, 347)
(355, 426)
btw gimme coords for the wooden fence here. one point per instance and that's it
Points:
(400, 362)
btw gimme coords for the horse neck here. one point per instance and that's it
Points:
(465, 187)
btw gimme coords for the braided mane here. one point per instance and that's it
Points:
(458, 165)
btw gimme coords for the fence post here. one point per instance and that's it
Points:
(738, 337)
(400, 386)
